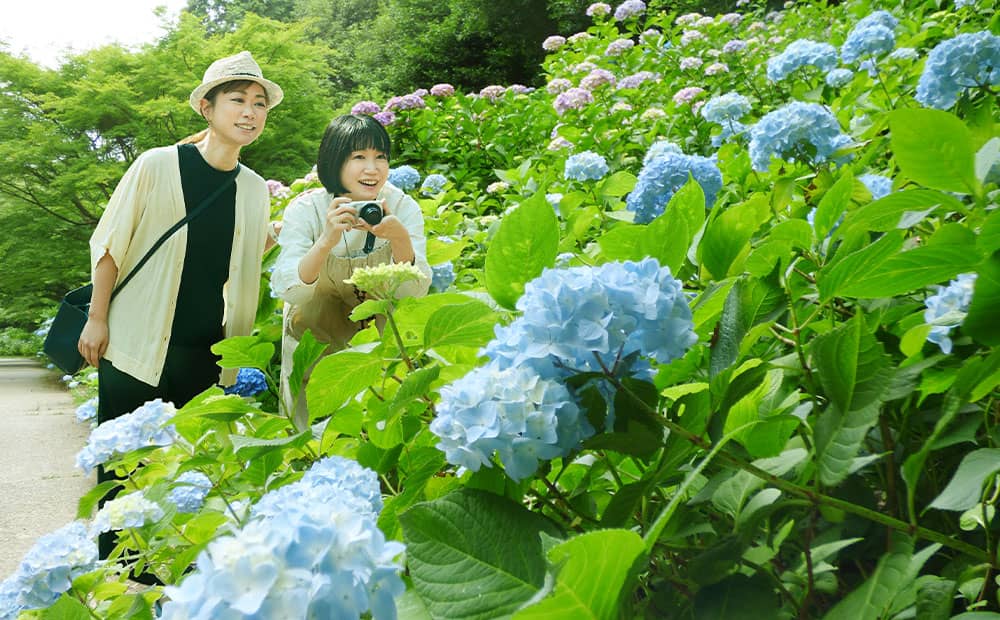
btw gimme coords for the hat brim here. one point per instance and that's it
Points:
(273, 91)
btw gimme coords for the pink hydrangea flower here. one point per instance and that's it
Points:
(442, 90)
(687, 95)
(278, 189)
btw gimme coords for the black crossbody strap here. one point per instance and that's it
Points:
(187, 218)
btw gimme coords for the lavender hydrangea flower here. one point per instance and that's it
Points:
(249, 382)
(146, 426)
(598, 9)
(572, 99)
(189, 492)
(690, 36)
(948, 308)
(663, 175)
(405, 102)
(879, 186)
(583, 67)
(716, 68)
(559, 143)
(277, 189)
(731, 19)
(687, 95)
(734, 46)
(492, 92)
(724, 108)
(386, 118)
(597, 78)
(404, 177)
(519, 89)
(552, 43)
(687, 19)
(369, 108)
(970, 60)
(433, 184)
(839, 77)
(619, 47)
(690, 62)
(558, 85)
(442, 276)
(636, 79)
(49, 568)
(585, 166)
(125, 511)
(442, 90)
(796, 131)
(630, 8)
(801, 53)
(874, 35)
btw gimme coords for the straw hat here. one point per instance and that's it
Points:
(242, 66)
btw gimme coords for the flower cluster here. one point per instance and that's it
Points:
(249, 382)
(442, 275)
(404, 177)
(385, 118)
(801, 53)
(690, 62)
(725, 108)
(662, 175)
(433, 184)
(311, 550)
(794, 132)
(597, 78)
(634, 80)
(146, 426)
(492, 92)
(572, 99)
(970, 60)
(839, 77)
(947, 309)
(734, 46)
(384, 279)
(716, 68)
(629, 8)
(879, 186)
(687, 95)
(558, 85)
(442, 90)
(48, 569)
(552, 43)
(277, 189)
(497, 186)
(87, 411)
(369, 108)
(585, 166)
(412, 101)
(124, 511)
(598, 9)
(874, 35)
(189, 492)
(619, 47)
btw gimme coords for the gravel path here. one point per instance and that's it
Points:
(39, 439)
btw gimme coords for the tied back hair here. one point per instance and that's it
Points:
(344, 135)
(211, 95)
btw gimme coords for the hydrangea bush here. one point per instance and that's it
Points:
(712, 328)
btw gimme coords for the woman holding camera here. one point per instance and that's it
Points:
(324, 238)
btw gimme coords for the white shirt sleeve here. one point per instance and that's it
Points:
(301, 226)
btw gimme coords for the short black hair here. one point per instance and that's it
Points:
(344, 135)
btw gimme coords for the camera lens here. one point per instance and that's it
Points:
(370, 213)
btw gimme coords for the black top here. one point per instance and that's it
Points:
(198, 317)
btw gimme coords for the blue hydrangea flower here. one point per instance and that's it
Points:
(948, 308)
(125, 511)
(9, 607)
(49, 568)
(433, 184)
(904, 53)
(87, 411)
(659, 148)
(801, 53)
(442, 275)
(662, 176)
(585, 166)
(732, 131)
(311, 550)
(404, 177)
(146, 426)
(724, 108)
(249, 382)
(839, 77)
(874, 35)
(796, 131)
(554, 199)
(970, 60)
(878, 185)
(189, 492)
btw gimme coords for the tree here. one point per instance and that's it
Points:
(226, 15)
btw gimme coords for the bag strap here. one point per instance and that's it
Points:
(187, 218)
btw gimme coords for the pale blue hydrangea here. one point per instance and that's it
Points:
(961, 4)
(9, 607)
(724, 108)
(948, 308)
(662, 176)
(189, 492)
(801, 53)
(629, 8)
(659, 148)
(870, 66)
(125, 511)
(904, 53)
(249, 382)
(442, 276)
(311, 550)
(873, 35)
(579, 318)
(146, 426)
(49, 568)
(87, 411)
(839, 77)
(433, 184)
(970, 60)
(512, 412)
(797, 131)
(878, 185)
(732, 131)
(404, 177)
(585, 166)
(554, 199)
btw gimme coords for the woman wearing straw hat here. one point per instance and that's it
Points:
(153, 339)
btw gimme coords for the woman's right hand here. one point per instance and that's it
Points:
(93, 341)
(339, 218)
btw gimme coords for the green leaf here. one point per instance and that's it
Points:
(935, 599)
(833, 204)
(339, 377)
(527, 242)
(416, 384)
(66, 608)
(214, 405)
(468, 325)
(668, 237)
(306, 354)
(250, 448)
(900, 210)
(439, 252)
(244, 352)
(617, 185)
(989, 234)
(85, 507)
(622, 242)
(987, 157)
(912, 270)
(934, 148)
(966, 487)
(737, 598)
(472, 554)
(728, 235)
(874, 597)
(592, 572)
(981, 323)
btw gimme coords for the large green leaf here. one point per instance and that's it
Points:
(592, 570)
(912, 270)
(527, 242)
(900, 210)
(472, 554)
(934, 148)
(737, 597)
(833, 204)
(981, 322)
(308, 351)
(244, 352)
(727, 236)
(966, 487)
(467, 325)
(339, 377)
(250, 448)
(872, 599)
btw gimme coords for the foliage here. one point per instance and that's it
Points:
(812, 454)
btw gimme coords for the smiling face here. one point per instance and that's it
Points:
(364, 173)
(238, 115)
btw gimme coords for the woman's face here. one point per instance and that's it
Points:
(238, 116)
(364, 173)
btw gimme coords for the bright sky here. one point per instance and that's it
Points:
(45, 29)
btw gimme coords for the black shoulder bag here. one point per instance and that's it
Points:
(64, 333)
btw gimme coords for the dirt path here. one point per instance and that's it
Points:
(39, 439)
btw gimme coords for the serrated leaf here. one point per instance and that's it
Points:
(835, 276)
(965, 488)
(873, 598)
(467, 325)
(737, 598)
(911, 270)
(415, 385)
(891, 212)
(617, 185)
(244, 352)
(526, 242)
(933, 148)
(339, 377)
(728, 235)
(833, 204)
(250, 448)
(306, 354)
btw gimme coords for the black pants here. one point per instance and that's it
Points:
(187, 372)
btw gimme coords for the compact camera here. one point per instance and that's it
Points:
(368, 210)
